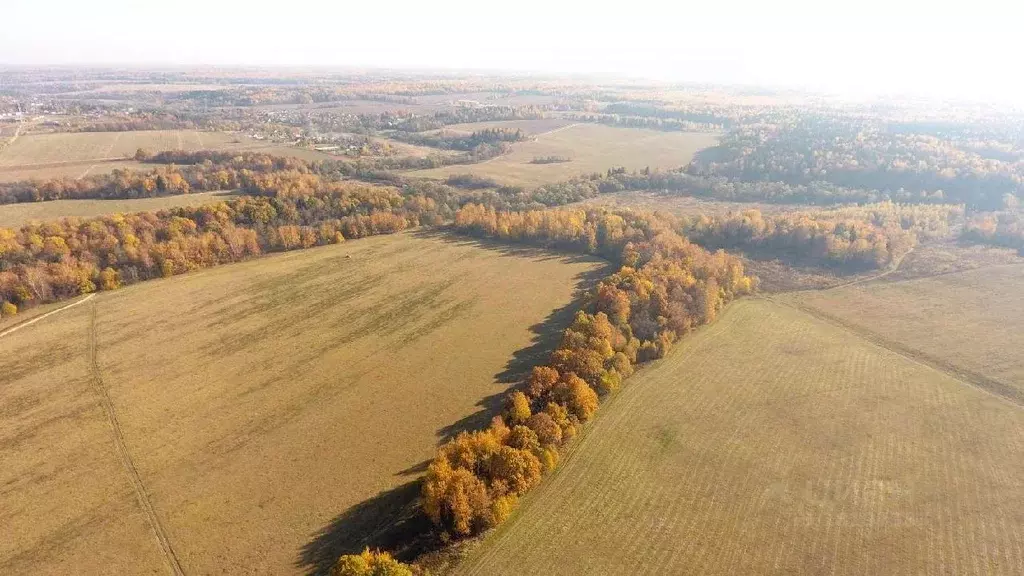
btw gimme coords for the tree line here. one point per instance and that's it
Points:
(684, 182)
(856, 237)
(665, 287)
(57, 260)
(464, 142)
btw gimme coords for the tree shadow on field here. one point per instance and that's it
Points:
(530, 251)
(546, 334)
(391, 520)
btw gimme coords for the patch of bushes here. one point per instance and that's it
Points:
(471, 181)
(369, 563)
(550, 159)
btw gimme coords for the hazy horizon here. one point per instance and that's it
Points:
(868, 48)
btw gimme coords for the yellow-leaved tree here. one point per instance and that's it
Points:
(369, 563)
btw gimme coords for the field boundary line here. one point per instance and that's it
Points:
(32, 321)
(126, 458)
(559, 129)
(969, 377)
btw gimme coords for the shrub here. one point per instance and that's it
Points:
(610, 382)
(369, 564)
(503, 507)
(549, 459)
(8, 309)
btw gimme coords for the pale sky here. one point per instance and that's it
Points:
(935, 47)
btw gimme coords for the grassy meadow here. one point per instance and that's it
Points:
(592, 148)
(64, 147)
(772, 442)
(256, 401)
(15, 215)
(80, 154)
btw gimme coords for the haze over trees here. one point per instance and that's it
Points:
(317, 159)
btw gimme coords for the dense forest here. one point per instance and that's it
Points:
(860, 237)
(902, 165)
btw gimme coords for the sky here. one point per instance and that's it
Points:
(949, 49)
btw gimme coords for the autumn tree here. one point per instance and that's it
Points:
(456, 498)
(517, 409)
(576, 395)
(369, 563)
(548, 432)
(541, 380)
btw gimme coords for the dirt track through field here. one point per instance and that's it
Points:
(41, 317)
(126, 458)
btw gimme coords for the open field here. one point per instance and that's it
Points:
(220, 420)
(946, 257)
(42, 150)
(15, 215)
(772, 442)
(592, 147)
(968, 321)
(529, 127)
(72, 170)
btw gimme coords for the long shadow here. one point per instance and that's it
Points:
(531, 251)
(393, 520)
(546, 334)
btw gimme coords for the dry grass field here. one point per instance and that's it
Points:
(37, 149)
(967, 321)
(72, 170)
(772, 442)
(232, 413)
(592, 147)
(15, 215)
